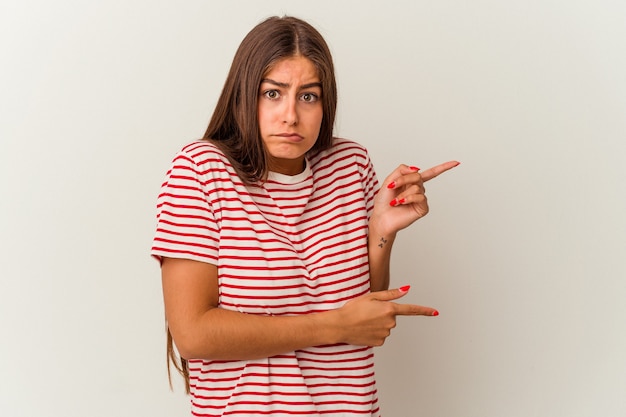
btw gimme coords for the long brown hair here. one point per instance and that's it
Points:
(179, 363)
(234, 126)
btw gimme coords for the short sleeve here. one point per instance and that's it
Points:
(186, 225)
(370, 183)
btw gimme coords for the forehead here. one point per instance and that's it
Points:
(293, 67)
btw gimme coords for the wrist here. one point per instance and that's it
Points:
(328, 324)
(379, 236)
(377, 229)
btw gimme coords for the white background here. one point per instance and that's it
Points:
(523, 252)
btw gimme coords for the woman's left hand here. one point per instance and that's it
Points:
(402, 199)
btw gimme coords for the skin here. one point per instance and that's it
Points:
(289, 120)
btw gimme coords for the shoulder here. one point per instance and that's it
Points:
(342, 145)
(201, 151)
(342, 149)
(202, 156)
(203, 162)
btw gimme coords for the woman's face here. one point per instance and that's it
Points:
(290, 113)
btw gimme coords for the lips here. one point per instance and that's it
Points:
(290, 136)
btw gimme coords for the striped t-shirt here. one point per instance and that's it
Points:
(293, 245)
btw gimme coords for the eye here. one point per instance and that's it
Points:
(309, 97)
(271, 94)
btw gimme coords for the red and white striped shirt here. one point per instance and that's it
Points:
(295, 245)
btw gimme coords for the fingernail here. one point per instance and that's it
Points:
(401, 201)
(457, 164)
(392, 184)
(406, 288)
(393, 202)
(414, 168)
(435, 313)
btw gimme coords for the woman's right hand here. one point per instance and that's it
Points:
(368, 319)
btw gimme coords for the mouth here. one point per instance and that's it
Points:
(290, 136)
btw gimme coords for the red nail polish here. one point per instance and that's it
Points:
(406, 288)
(435, 313)
(393, 202)
(401, 201)
(392, 184)
(414, 168)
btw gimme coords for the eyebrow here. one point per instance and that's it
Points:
(285, 85)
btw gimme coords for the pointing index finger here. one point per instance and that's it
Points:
(414, 310)
(435, 171)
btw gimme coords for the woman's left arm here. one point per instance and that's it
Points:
(400, 202)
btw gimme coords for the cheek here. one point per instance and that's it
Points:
(318, 119)
(265, 118)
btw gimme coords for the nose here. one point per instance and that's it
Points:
(290, 114)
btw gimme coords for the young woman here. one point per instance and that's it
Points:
(275, 239)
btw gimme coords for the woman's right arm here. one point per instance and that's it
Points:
(202, 330)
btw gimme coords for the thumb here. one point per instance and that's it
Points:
(389, 295)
